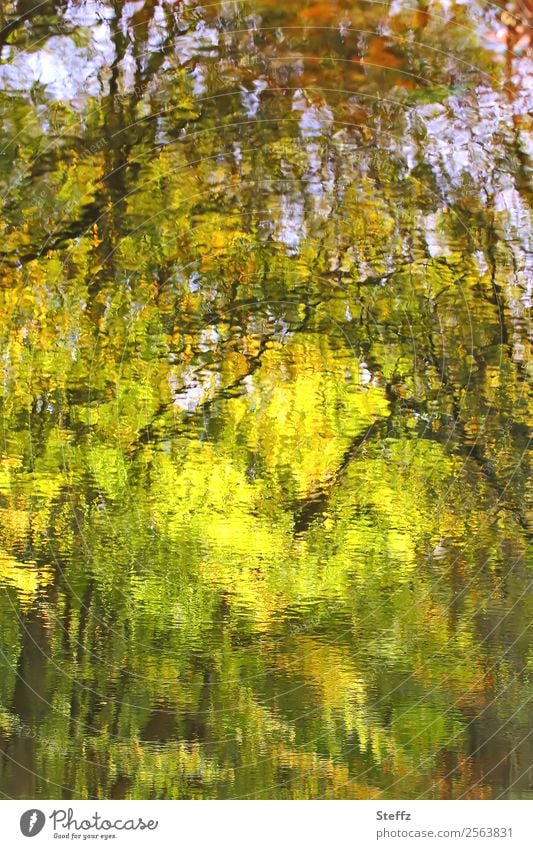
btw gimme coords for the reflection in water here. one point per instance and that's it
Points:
(266, 280)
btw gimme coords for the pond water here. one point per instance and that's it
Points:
(264, 473)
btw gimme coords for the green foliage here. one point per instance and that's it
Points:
(263, 479)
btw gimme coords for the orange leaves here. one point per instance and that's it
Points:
(320, 13)
(95, 238)
(381, 52)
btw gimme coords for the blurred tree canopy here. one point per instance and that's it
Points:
(264, 475)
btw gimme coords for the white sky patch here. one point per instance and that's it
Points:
(194, 389)
(366, 375)
(87, 14)
(291, 228)
(315, 120)
(251, 100)
(61, 67)
(197, 43)
(198, 76)
(435, 239)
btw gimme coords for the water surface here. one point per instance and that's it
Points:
(264, 482)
